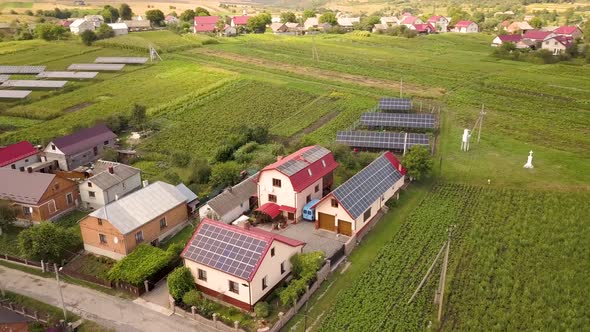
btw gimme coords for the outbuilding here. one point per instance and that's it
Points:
(119, 28)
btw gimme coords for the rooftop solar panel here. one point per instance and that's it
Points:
(68, 74)
(121, 59)
(395, 104)
(399, 120)
(21, 69)
(14, 94)
(381, 140)
(362, 190)
(96, 66)
(314, 154)
(33, 84)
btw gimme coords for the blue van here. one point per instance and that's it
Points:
(309, 210)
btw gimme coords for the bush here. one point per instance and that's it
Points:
(192, 298)
(262, 309)
(175, 249)
(88, 37)
(144, 262)
(180, 159)
(180, 281)
(200, 172)
(225, 174)
(306, 265)
(48, 242)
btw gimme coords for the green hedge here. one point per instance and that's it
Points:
(142, 263)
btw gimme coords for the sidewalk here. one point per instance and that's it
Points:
(109, 311)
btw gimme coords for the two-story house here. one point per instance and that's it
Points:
(79, 148)
(38, 196)
(148, 215)
(440, 23)
(109, 182)
(240, 265)
(285, 186)
(18, 156)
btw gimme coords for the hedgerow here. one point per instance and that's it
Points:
(142, 263)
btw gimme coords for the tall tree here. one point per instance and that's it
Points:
(7, 215)
(155, 16)
(48, 242)
(288, 17)
(200, 11)
(110, 14)
(418, 161)
(188, 15)
(125, 11)
(104, 31)
(88, 37)
(138, 117)
(308, 13)
(328, 17)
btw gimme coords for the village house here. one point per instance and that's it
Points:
(537, 37)
(466, 27)
(232, 202)
(423, 28)
(557, 45)
(109, 182)
(440, 23)
(148, 215)
(285, 186)
(502, 39)
(18, 156)
(239, 21)
(119, 28)
(138, 25)
(389, 20)
(38, 196)
(79, 148)
(572, 32)
(279, 28)
(347, 23)
(352, 206)
(169, 19)
(294, 28)
(311, 23)
(192, 200)
(410, 20)
(240, 265)
(96, 20)
(379, 28)
(519, 27)
(81, 25)
(205, 24)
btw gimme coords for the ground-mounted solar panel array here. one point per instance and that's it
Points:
(226, 250)
(96, 66)
(21, 69)
(121, 59)
(4, 78)
(381, 140)
(395, 104)
(68, 74)
(14, 94)
(33, 84)
(399, 120)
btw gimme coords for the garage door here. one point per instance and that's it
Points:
(345, 227)
(326, 221)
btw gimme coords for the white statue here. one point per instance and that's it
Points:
(465, 140)
(529, 162)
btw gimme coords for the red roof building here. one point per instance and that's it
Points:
(409, 20)
(423, 28)
(537, 35)
(239, 20)
(18, 155)
(205, 23)
(569, 31)
(466, 27)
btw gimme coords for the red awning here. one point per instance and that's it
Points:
(288, 209)
(271, 209)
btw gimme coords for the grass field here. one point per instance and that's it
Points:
(15, 5)
(162, 41)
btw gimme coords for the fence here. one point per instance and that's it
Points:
(22, 310)
(215, 323)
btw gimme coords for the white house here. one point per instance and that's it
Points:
(311, 23)
(18, 156)
(80, 25)
(232, 202)
(440, 23)
(96, 20)
(285, 186)
(238, 264)
(352, 206)
(119, 28)
(466, 27)
(557, 45)
(109, 182)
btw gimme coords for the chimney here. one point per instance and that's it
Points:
(244, 224)
(400, 167)
(145, 183)
(111, 170)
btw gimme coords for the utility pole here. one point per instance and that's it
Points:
(63, 306)
(481, 114)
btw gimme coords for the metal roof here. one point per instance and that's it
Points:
(33, 84)
(189, 194)
(23, 187)
(104, 180)
(84, 139)
(121, 59)
(14, 94)
(68, 74)
(229, 199)
(141, 207)
(96, 66)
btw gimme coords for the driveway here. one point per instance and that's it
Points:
(109, 311)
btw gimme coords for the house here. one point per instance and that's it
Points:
(285, 186)
(440, 23)
(348, 22)
(79, 148)
(138, 25)
(148, 215)
(96, 20)
(466, 27)
(18, 156)
(239, 21)
(423, 28)
(536, 37)
(519, 27)
(80, 25)
(410, 20)
(379, 28)
(499, 40)
(557, 45)
(311, 23)
(171, 20)
(526, 44)
(65, 23)
(279, 28)
(109, 182)
(205, 24)
(232, 202)
(38, 196)
(352, 206)
(119, 28)
(192, 200)
(230, 31)
(569, 31)
(389, 20)
(240, 265)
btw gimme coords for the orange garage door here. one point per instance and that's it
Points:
(326, 221)
(345, 227)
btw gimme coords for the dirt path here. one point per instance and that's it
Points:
(316, 125)
(413, 89)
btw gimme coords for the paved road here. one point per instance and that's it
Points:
(110, 311)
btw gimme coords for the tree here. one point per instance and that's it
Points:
(288, 17)
(125, 12)
(88, 37)
(257, 24)
(308, 13)
(200, 11)
(104, 31)
(188, 15)
(418, 161)
(536, 23)
(180, 281)
(225, 174)
(200, 171)
(138, 117)
(48, 242)
(110, 13)
(328, 17)
(48, 31)
(7, 215)
(478, 17)
(155, 16)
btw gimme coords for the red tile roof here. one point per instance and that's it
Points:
(271, 209)
(463, 24)
(424, 27)
(409, 20)
(435, 18)
(510, 38)
(206, 20)
(240, 20)
(16, 152)
(565, 30)
(395, 162)
(536, 34)
(287, 209)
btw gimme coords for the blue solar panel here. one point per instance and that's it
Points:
(399, 120)
(395, 104)
(381, 140)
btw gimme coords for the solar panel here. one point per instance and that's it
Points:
(21, 69)
(121, 59)
(314, 154)
(381, 140)
(226, 250)
(33, 84)
(14, 94)
(68, 74)
(363, 189)
(96, 66)
(395, 104)
(399, 120)
(4, 78)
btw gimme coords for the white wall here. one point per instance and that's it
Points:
(207, 212)
(301, 197)
(23, 162)
(104, 197)
(285, 194)
(219, 281)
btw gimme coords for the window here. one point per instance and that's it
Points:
(91, 194)
(139, 237)
(99, 222)
(52, 207)
(272, 198)
(367, 215)
(234, 287)
(26, 160)
(123, 184)
(53, 147)
(264, 283)
(272, 252)
(282, 268)
(202, 275)
(27, 211)
(89, 184)
(22, 168)
(291, 216)
(163, 223)
(103, 238)
(317, 188)
(334, 203)
(70, 198)
(106, 143)
(276, 183)
(13, 166)
(308, 199)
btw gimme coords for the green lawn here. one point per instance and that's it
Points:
(181, 237)
(15, 5)
(163, 41)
